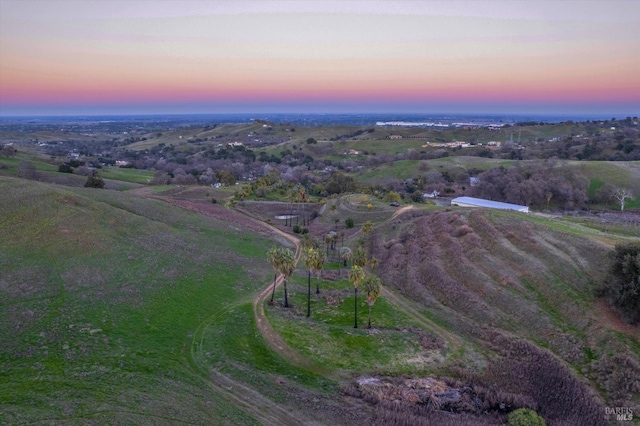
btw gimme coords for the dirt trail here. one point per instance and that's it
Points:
(253, 403)
(401, 211)
(247, 399)
(271, 337)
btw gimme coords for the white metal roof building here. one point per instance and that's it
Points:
(479, 202)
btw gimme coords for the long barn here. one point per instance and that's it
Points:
(479, 202)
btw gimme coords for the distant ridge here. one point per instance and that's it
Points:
(354, 119)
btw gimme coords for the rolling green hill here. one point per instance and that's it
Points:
(116, 308)
(123, 308)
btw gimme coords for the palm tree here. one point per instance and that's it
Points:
(367, 227)
(356, 275)
(334, 209)
(327, 242)
(311, 262)
(333, 238)
(373, 262)
(360, 257)
(345, 254)
(371, 286)
(307, 241)
(273, 255)
(286, 266)
(321, 259)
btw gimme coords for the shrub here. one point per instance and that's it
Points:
(8, 151)
(65, 168)
(392, 197)
(297, 229)
(417, 197)
(622, 286)
(261, 192)
(525, 417)
(214, 201)
(94, 182)
(348, 223)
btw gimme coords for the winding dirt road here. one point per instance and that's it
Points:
(247, 399)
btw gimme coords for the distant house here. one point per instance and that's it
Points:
(395, 136)
(434, 194)
(473, 181)
(479, 202)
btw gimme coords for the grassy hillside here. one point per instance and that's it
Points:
(499, 302)
(114, 177)
(498, 278)
(116, 308)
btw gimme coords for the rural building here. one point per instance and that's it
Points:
(479, 202)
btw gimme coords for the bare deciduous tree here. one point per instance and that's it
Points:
(621, 194)
(26, 170)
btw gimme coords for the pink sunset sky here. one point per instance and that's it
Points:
(144, 56)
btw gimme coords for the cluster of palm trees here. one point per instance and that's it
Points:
(283, 261)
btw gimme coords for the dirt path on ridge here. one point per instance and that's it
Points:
(238, 393)
(247, 399)
(272, 338)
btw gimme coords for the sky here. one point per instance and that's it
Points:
(162, 56)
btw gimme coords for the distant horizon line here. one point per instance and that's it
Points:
(319, 113)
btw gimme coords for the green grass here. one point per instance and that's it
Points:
(11, 164)
(119, 178)
(103, 296)
(405, 169)
(329, 338)
(121, 309)
(126, 175)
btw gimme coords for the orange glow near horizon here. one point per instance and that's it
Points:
(246, 58)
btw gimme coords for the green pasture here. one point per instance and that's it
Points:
(328, 337)
(9, 165)
(115, 304)
(143, 177)
(406, 169)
